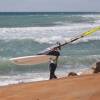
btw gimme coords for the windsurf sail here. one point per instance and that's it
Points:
(60, 45)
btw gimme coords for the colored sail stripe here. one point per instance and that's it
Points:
(81, 36)
(72, 40)
(91, 31)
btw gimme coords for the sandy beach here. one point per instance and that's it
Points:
(84, 87)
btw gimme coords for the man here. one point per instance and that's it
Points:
(53, 62)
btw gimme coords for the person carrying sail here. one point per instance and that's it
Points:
(53, 62)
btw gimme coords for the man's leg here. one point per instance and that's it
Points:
(52, 70)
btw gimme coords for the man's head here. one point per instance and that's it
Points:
(59, 45)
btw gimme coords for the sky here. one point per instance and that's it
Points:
(49, 5)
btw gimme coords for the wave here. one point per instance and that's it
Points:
(26, 47)
(46, 19)
(79, 60)
(15, 74)
(22, 78)
(46, 34)
(38, 73)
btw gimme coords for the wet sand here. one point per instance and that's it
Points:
(84, 87)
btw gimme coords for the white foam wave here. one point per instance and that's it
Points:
(22, 78)
(45, 34)
(91, 16)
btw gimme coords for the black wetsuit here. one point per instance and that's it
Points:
(54, 53)
(53, 65)
(52, 68)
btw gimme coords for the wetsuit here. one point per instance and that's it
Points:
(53, 63)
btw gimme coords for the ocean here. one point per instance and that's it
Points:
(27, 33)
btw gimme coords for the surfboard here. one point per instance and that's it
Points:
(32, 60)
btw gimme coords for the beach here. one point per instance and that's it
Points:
(83, 87)
(27, 34)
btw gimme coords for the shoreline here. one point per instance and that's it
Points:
(83, 87)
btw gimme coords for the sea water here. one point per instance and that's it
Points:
(25, 34)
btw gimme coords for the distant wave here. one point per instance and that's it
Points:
(46, 19)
